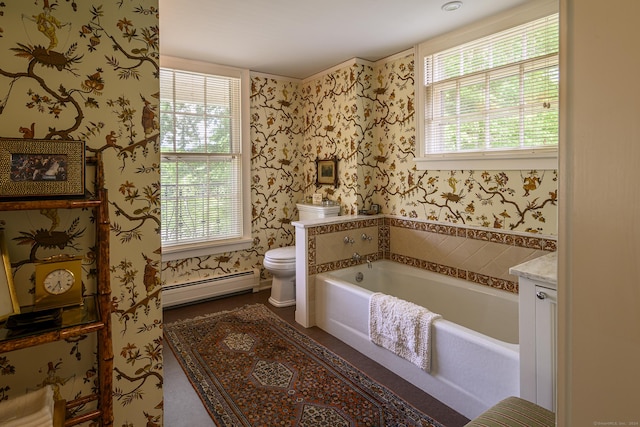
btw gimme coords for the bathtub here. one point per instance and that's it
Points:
(475, 352)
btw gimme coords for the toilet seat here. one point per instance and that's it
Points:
(283, 255)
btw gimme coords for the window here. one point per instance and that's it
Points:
(492, 99)
(204, 159)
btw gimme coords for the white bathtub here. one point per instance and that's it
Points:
(475, 355)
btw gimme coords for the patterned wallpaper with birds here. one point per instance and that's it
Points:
(363, 114)
(89, 71)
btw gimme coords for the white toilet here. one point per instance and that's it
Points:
(281, 262)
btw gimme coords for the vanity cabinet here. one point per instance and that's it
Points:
(537, 281)
(546, 346)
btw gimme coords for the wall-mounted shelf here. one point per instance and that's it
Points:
(80, 320)
(94, 316)
(23, 205)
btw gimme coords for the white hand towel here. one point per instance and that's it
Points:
(402, 327)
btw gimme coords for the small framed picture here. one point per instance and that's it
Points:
(41, 168)
(327, 172)
(375, 209)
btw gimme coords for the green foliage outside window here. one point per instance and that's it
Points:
(499, 92)
(199, 168)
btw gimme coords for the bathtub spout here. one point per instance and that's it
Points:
(369, 264)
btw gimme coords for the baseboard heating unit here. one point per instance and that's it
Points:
(202, 289)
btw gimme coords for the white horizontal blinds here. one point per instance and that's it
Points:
(499, 92)
(201, 149)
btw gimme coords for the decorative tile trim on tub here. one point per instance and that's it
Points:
(515, 245)
(481, 279)
(543, 243)
(340, 228)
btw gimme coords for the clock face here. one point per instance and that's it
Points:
(59, 281)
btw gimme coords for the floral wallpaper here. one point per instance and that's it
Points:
(276, 127)
(89, 71)
(363, 114)
(522, 201)
(339, 123)
(277, 182)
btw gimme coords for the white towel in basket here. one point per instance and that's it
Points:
(402, 327)
(33, 409)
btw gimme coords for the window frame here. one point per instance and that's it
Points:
(195, 249)
(542, 158)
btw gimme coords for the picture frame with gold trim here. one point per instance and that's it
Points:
(327, 171)
(38, 168)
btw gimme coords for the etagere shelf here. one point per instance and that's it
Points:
(94, 316)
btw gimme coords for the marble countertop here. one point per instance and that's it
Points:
(543, 269)
(331, 220)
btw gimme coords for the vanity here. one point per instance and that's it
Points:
(537, 280)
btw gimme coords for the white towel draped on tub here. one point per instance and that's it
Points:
(402, 327)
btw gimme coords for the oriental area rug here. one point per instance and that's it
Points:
(251, 368)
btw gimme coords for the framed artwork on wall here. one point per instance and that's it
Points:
(41, 168)
(327, 171)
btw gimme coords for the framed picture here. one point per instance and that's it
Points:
(327, 171)
(41, 168)
(8, 299)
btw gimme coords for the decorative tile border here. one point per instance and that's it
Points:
(531, 242)
(505, 285)
(384, 226)
(344, 226)
(343, 263)
(426, 226)
(312, 268)
(494, 282)
(384, 239)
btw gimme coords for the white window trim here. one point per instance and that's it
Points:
(183, 251)
(539, 158)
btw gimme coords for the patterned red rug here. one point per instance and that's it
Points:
(252, 368)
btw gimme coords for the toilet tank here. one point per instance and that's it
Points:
(311, 211)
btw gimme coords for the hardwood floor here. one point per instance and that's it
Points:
(182, 406)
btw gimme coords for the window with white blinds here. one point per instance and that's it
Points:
(201, 158)
(494, 96)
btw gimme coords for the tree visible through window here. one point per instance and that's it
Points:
(495, 94)
(201, 152)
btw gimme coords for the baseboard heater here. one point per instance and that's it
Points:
(202, 289)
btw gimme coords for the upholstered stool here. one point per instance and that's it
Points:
(514, 412)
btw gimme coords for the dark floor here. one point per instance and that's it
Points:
(182, 406)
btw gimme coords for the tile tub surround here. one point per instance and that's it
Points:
(323, 239)
(478, 255)
(327, 248)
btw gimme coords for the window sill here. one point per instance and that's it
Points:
(501, 161)
(171, 253)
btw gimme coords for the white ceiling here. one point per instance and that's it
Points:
(300, 38)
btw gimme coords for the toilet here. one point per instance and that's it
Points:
(281, 262)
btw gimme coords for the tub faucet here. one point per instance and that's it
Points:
(369, 264)
(356, 257)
